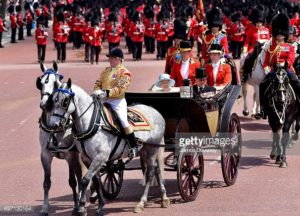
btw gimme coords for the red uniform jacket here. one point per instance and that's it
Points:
(149, 27)
(237, 32)
(208, 39)
(198, 30)
(2, 27)
(28, 17)
(85, 33)
(114, 33)
(137, 32)
(45, 11)
(40, 36)
(255, 35)
(13, 21)
(95, 35)
(161, 32)
(173, 53)
(77, 23)
(191, 23)
(279, 54)
(176, 72)
(20, 21)
(61, 33)
(38, 12)
(223, 75)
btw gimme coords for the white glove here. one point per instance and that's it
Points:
(100, 94)
(267, 70)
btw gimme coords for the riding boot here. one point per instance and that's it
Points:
(262, 90)
(133, 147)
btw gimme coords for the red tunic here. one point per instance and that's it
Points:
(237, 32)
(149, 27)
(114, 33)
(61, 33)
(13, 21)
(38, 12)
(45, 11)
(95, 35)
(137, 32)
(198, 30)
(85, 33)
(28, 17)
(223, 75)
(77, 23)
(40, 36)
(2, 28)
(176, 72)
(255, 35)
(161, 33)
(279, 54)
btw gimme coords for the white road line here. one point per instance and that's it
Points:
(25, 120)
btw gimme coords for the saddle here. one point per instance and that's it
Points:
(135, 118)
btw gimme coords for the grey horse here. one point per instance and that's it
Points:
(72, 101)
(47, 84)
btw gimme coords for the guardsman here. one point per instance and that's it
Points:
(2, 29)
(114, 30)
(149, 31)
(112, 85)
(173, 52)
(86, 37)
(28, 18)
(237, 32)
(191, 22)
(45, 13)
(13, 23)
(37, 10)
(41, 39)
(214, 34)
(256, 33)
(169, 21)
(198, 30)
(161, 34)
(20, 22)
(127, 23)
(61, 33)
(77, 27)
(95, 35)
(218, 72)
(278, 54)
(185, 67)
(137, 36)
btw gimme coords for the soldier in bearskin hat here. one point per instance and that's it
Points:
(13, 23)
(86, 37)
(41, 39)
(20, 23)
(280, 54)
(149, 30)
(214, 34)
(114, 31)
(77, 27)
(161, 34)
(95, 36)
(237, 31)
(28, 18)
(137, 29)
(2, 29)
(45, 13)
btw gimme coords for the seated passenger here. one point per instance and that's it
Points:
(218, 72)
(164, 84)
(201, 83)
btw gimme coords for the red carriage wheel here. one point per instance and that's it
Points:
(231, 154)
(112, 179)
(190, 172)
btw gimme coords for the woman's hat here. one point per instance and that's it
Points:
(163, 77)
(216, 48)
(200, 73)
(185, 46)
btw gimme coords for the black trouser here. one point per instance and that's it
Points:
(170, 42)
(95, 50)
(41, 52)
(199, 48)
(77, 39)
(13, 35)
(161, 49)
(29, 27)
(236, 49)
(0, 38)
(149, 43)
(112, 45)
(137, 50)
(61, 51)
(46, 18)
(192, 39)
(129, 44)
(87, 51)
(21, 36)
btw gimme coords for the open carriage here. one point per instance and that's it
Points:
(210, 114)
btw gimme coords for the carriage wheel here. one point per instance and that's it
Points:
(190, 175)
(231, 154)
(112, 179)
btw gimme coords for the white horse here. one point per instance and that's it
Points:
(47, 84)
(254, 79)
(72, 101)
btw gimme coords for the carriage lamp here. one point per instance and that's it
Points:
(186, 91)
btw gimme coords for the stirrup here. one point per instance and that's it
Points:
(133, 152)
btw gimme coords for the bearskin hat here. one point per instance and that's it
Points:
(180, 28)
(160, 16)
(135, 16)
(40, 20)
(257, 15)
(112, 17)
(281, 25)
(36, 5)
(11, 9)
(189, 11)
(26, 6)
(60, 17)
(236, 17)
(95, 21)
(149, 14)
(214, 18)
(18, 8)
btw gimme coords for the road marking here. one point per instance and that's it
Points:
(25, 120)
(216, 161)
(21, 82)
(19, 163)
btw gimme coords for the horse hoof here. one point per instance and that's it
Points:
(93, 198)
(283, 165)
(165, 203)
(43, 214)
(138, 208)
(273, 156)
(245, 113)
(295, 137)
(278, 160)
(257, 116)
(82, 213)
(100, 213)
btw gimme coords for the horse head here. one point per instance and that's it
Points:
(47, 83)
(63, 105)
(280, 88)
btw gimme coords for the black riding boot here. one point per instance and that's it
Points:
(262, 100)
(133, 148)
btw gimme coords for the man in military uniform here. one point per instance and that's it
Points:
(137, 36)
(29, 19)
(112, 85)
(114, 30)
(214, 34)
(20, 22)
(41, 39)
(13, 23)
(2, 29)
(173, 52)
(279, 54)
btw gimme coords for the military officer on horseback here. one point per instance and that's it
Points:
(112, 85)
(280, 54)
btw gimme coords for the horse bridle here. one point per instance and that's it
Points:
(57, 78)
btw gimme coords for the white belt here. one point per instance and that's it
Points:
(60, 33)
(113, 34)
(136, 33)
(150, 28)
(40, 36)
(161, 32)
